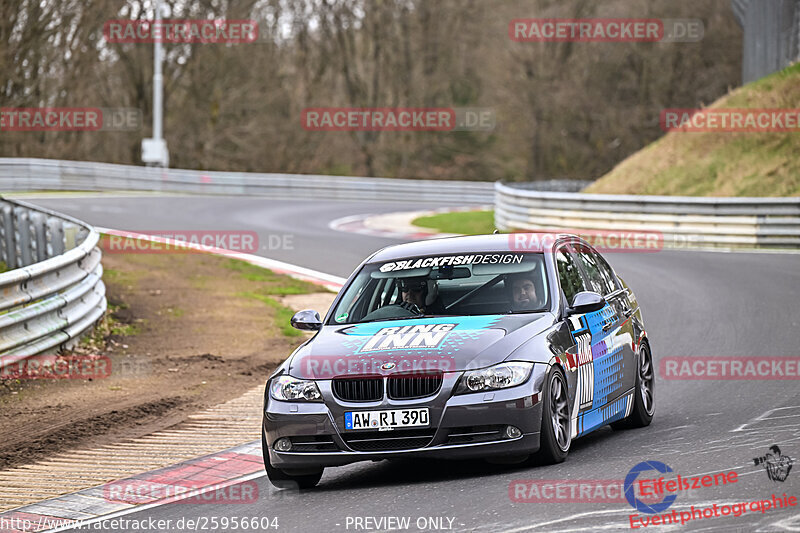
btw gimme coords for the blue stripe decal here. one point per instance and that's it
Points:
(598, 319)
(607, 373)
(591, 420)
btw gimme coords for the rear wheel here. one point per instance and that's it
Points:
(644, 399)
(555, 436)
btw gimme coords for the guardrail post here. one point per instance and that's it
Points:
(22, 236)
(39, 241)
(55, 236)
(7, 249)
(71, 236)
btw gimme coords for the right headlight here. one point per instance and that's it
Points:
(289, 389)
(500, 376)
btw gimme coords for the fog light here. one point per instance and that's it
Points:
(513, 432)
(283, 445)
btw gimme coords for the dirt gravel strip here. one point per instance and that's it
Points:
(38, 496)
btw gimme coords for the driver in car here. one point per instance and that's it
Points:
(422, 294)
(523, 292)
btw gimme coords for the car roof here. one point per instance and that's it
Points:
(501, 242)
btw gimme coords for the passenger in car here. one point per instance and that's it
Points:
(523, 291)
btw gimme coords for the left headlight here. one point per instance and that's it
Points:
(289, 389)
(500, 376)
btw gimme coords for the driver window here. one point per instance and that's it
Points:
(569, 275)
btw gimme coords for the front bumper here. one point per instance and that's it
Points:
(462, 427)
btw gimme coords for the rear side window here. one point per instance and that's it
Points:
(598, 272)
(569, 275)
(607, 272)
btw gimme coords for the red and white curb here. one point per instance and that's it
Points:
(357, 224)
(396, 225)
(190, 481)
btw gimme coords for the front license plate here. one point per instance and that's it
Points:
(394, 418)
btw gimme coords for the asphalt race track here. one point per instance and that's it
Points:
(694, 304)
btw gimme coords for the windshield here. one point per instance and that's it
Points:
(448, 285)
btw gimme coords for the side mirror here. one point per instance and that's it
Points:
(307, 320)
(586, 302)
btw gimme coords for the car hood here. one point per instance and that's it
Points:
(414, 345)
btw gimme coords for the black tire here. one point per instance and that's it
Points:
(282, 480)
(555, 436)
(644, 398)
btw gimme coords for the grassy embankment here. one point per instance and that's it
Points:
(695, 164)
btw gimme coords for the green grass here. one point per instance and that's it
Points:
(720, 163)
(464, 222)
(110, 326)
(3, 267)
(127, 278)
(283, 314)
(124, 330)
(266, 285)
(274, 284)
(175, 312)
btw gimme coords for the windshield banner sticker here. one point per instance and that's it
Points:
(430, 336)
(453, 260)
(416, 336)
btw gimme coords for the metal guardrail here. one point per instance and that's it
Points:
(683, 221)
(725, 222)
(53, 291)
(20, 174)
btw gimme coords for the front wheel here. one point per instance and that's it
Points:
(644, 399)
(282, 480)
(555, 436)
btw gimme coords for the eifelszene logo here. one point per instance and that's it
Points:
(636, 503)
